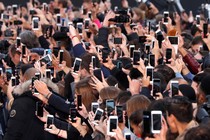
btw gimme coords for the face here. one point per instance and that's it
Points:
(171, 123)
(136, 129)
(196, 48)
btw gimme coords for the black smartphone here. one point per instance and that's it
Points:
(142, 39)
(198, 20)
(205, 30)
(77, 64)
(58, 18)
(147, 49)
(168, 55)
(110, 106)
(79, 102)
(34, 91)
(150, 71)
(119, 111)
(174, 88)
(56, 11)
(87, 23)
(156, 87)
(146, 123)
(23, 50)
(61, 56)
(165, 16)
(119, 65)
(117, 40)
(13, 81)
(32, 12)
(149, 27)
(105, 54)
(50, 121)
(39, 109)
(152, 60)
(93, 60)
(136, 57)
(56, 51)
(87, 45)
(14, 9)
(131, 49)
(73, 114)
(98, 114)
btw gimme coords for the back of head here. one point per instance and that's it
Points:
(25, 67)
(136, 117)
(30, 73)
(198, 133)
(137, 102)
(167, 72)
(204, 85)
(29, 39)
(181, 108)
(109, 93)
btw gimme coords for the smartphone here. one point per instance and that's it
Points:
(48, 73)
(149, 27)
(18, 42)
(77, 64)
(117, 40)
(146, 122)
(56, 11)
(37, 75)
(73, 114)
(14, 9)
(93, 60)
(110, 106)
(98, 114)
(127, 136)
(156, 87)
(149, 72)
(34, 91)
(8, 73)
(45, 59)
(112, 124)
(35, 23)
(174, 87)
(168, 55)
(60, 56)
(58, 19)
(119, 111)
(136, 57)
(94, 106)
(205, 30)
(174, 40)
(23, 50)
(142, 39)
(105, 54)
(32, 12)
(87, 23)
(152, 60)
(147, 48)
(79, 27)
(87, 45)
(13, 81)
(119, 65)
(39, 109)
(79, 102)
(156, 121)
(131, 49)
(165, 17)
(50, 121)
(198, 20)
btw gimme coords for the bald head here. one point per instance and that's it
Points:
(30, 73)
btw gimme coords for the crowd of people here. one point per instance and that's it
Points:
(97, 73)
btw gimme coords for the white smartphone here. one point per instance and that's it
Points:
(165, 16)
(149, 72)
(13, 81)
(93, 60)
(174, 87)
(60, 57)
(50, 121)
(77, 64)
(98, 114)
(131, 49)
(127, 135)
(198, 20)
(58, 19)
(156, 121)
(79, 27)
(94, 106)
(35, 23)
(112, 124)
(87, 23)
(45, 59)
(18, 42)
(48, 73)
(174, 42)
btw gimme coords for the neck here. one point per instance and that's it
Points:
(181, 127)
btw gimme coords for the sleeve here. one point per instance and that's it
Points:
(178, 75)
(87, 137)
(189, 76)
(59, 103)
(78, 50)
(146, 92)
(18, 120)
(103, 37)
(73, 134)
(61, 124)
(43, 42)
(68, 90)
(193, 65)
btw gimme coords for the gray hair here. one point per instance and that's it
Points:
(29, 39)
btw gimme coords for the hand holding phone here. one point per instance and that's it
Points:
(50, 121)
(168, 55)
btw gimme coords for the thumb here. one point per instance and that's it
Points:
(129, 79)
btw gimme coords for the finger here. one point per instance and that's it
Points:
(129, 79)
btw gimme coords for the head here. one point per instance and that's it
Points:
(187, 91)
(198, 133)
(62, 3)
(167, 72)
(29, 39)
(196, 44)
(14, 54)
(89, 95)
(138, 14)
(197, 79)
(136, 121)
(137, 102)
(23, 69)
(203, 90)
(179, 110)
(30, 73)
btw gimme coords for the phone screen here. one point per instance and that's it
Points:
(113, 124)
(94, 108)
(109, 106)
(117, 40)
(39, 109)
(73, 114)
(146, 122)
(205, 30)
(48, 74)
(18, 42)
(156, 121)
(36, 23)
(79, 102)
(61, 57)
(94, 62)
(23, 50)
(150, 73)
(156, 86)
(142, 39)
(166, 15)
(168, 55)
(45, 59)
(77, 65)
(128, 137)
(119, 113)
(13, 81)
(152, 60)
(147, 47)
(58, 19)
(98, 115)
(105, 54)
(87, 23)
(79, 27)
(131, 52)
(8, 73)
(136, 57)
(173, 40)
(50, 121)
(175, 88)
(198, 20)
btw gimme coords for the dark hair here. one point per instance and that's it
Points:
(204, 85)
(29, 39)
(13, 50)
(136, 117)
(198, 133)
(122, 98)
(86, 60)
(135, 73)
(198, 77)
(158, 105)
(180, 107)
(166, 71)
(197, 40)
(64, 3)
